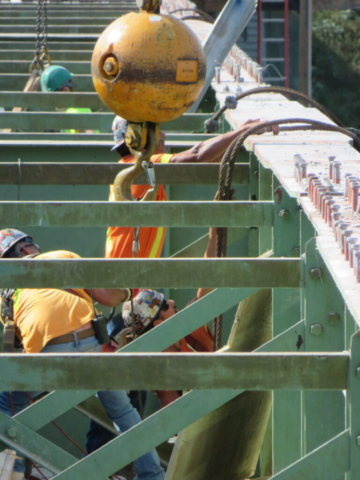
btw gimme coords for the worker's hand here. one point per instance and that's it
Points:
(253, 123)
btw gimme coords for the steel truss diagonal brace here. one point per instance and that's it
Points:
(32, 445)
(330, 462)
(169, 332)
(159, 427)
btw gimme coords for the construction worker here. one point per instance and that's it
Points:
(151, 309)
(58, 321)
(119, 240)
(56, 79)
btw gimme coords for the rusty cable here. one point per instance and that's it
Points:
(224, 191)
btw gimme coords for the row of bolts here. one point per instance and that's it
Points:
(237, 60)
(322, 197)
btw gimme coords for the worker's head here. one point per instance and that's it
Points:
(56, 79)
(150, 309)
(119, 128)
(16, 244)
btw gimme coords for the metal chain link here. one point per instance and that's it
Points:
(41, 47)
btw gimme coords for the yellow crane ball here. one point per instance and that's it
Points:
(148, 67)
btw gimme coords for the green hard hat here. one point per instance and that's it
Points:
(54, 78)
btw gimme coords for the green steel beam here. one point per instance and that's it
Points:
(174, 371)
(153, 430)
(22, 66)
(41, 121)
(82, 151)
(169, 332)
(54, 46)
(15, 138)
(56, 56)
(105, 173)
(352, 406)
(93, 30)
(157, 273)
(60, 20)
(17, 436)
(132, 214)
(39, 100)
(17, 82)
(330, 462)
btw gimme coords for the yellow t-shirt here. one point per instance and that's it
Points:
(41, 314)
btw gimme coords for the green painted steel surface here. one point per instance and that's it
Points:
(322, 334)
(157, 273)
(353, 402)
(287, 422)
(132, 214)
(104, 173)
(162, 425)
(22, 66)
(38, 100)
(41, 121)
(327, 462)
(175, 371)
(33, 445)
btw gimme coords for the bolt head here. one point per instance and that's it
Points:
(296, 251)
(358, 440)
(316, 273)
(316, 329)
(333, 318)
(284, 213)
(358, 372)
(12, 432)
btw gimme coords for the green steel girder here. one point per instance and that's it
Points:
(58, 56)
(21, 44)
(32, 445)
(352, 406)
(59, 137)
(174, 371)
(63, 19)
(169, 332)
(28, 151)
(50, 173)
(51, 100)
(157, 273)
(16, 82)
(41, 121)
(151, 432)
(22, 66)
(132, 214)
(322, 301)
(328, 462)
(55, 29)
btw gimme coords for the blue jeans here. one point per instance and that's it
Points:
(116, 404)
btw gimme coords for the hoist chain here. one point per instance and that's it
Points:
(41, 48)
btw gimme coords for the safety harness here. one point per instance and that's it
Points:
(10, 340)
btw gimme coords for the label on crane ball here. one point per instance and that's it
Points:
(187, 71)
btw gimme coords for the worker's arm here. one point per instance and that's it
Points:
(212, 150)
(109, 296)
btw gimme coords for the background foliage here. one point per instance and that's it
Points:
(336, 63)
